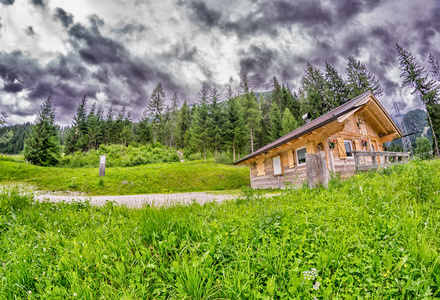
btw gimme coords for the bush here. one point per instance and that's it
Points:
(120, 156)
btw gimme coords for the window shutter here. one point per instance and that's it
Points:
(310, 148)
(290, 159)
(261, 170)
(341, 148)
(357, 145)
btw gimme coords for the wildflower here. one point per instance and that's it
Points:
(405, 265)
(58, 230)
(316, 285)
(29, 292)
(74, 294)
(44, 249)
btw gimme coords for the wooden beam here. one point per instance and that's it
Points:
(388, 138)
(376, 120)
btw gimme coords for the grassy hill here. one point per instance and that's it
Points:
(373, 236)
(143, 179)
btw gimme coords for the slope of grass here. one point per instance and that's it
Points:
(374, 236)
(152, 178)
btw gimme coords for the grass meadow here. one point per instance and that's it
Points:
(143, 179)
(373, 236)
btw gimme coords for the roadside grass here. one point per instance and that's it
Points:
(145, 179)
(373, 236)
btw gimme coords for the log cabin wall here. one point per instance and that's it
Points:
(354, 129)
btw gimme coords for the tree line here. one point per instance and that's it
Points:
(236, 122)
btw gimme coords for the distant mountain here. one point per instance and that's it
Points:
(415, 122)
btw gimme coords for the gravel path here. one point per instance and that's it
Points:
(140, 200)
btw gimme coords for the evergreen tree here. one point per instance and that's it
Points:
(93, 128)
(42, 146)
(143, 133)
(335, 86)
(109, 128)
(414, 76)
(263, 136)
(155, 108)
(118, 126)
(174, 119)
(183, 123)
(126, 134)
(251, 110)
(235, 127)
(287, 98)
(295, 109)
(277, 93)
(203, 94)
(435, 67)
(77, 138)
(8, 135)
(216, 121)
(313, 92)
(360, 80)
(275, 122)
(288, 123)
(199, 129)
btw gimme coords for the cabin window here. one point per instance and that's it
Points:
(277, 165)
(301, 155)
(348, 148)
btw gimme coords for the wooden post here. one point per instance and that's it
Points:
(102, 166)
(356, 160)
(317, 171)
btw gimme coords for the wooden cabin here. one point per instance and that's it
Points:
(361, 124)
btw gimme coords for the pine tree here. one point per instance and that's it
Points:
(174, 117)
(288, 123)
(78, 135)
(251, 110)
(277, 93)
(275, 122)
(360, 80)
(263, 136)
(216, 121)
(126, 134)
(109, 127)
(183, 123)
(335, 86)
(313, 94)
(287, 98)
(414, 76)
(93, 128)
(8, 135)
(435, 67)
(155, 108)
(235, 127)
(144, 130)
(199, 129)
(42, 146)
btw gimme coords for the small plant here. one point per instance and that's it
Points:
(364, 143)
(331, 144)
(101, 182)
(73, 184)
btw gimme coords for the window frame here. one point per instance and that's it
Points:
(351, 149)
(278, 157)
(297, 156)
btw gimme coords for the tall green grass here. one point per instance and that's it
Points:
(374, 236)
(145, 179)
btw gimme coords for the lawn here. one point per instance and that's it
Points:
(143, 179)
(373, 236)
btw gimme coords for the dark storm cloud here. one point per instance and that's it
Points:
(129, 29)
(204, 16)
(7, 2)
(65, 17)
(257, 61)
(115, 73)
(38, 3)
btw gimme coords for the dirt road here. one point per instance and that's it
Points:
(140, 200)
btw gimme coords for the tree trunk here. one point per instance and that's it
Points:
(433, 134)
(233, 150)
(204, 151)
(216, 153)
(252, 141)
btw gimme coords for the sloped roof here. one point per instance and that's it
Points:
(315, 124)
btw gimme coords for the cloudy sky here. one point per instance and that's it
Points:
(116, 51)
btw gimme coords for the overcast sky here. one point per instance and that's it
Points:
(116, 51)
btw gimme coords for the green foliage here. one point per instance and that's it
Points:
(374, 236)
(121, 156)
(275, 122)
(235, 127)
(423, 149)
(251, 110)
(155, 108)
(42, 147)
(360, 80)
(336, 88)
(288, 122)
